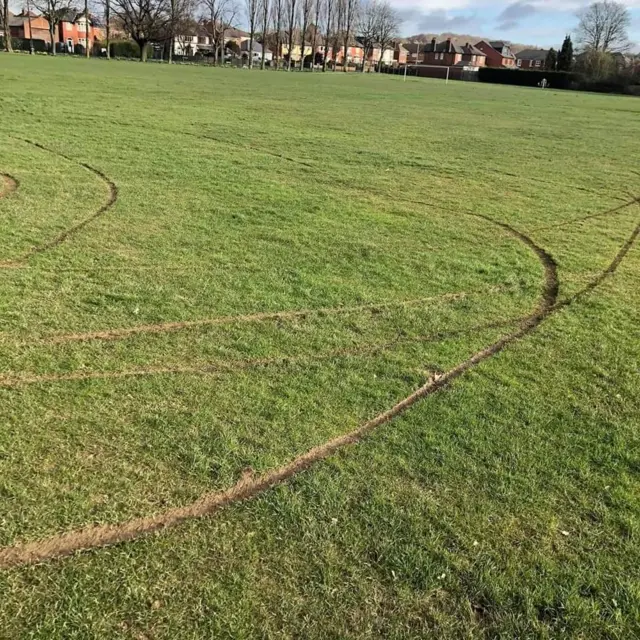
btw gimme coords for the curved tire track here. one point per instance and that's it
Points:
(67, 233)
(249, 486)
(94, 537)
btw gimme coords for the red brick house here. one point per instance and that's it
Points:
(531, 59)
(355, 54)
(448, 54)
(413, 52)
(400, 54)
(29, 25)
(72, 30)
(498, 53)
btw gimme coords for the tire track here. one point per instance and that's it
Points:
(261, 316)
(9, 380)
(249, 486)
(601, 214)
(71, 231)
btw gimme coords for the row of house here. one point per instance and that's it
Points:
(495, 53)
(237, 42)
(74, 29)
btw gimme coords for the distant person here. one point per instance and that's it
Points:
(543, 83)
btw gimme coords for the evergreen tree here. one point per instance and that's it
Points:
(565, 57)
(551, 62)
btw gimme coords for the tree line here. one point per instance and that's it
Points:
(275, 24)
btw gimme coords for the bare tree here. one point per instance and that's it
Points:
(219, 16)
(278, 14)
(53, 11)
(336, 32)
(317, 9)
(329, 7)
(252, 8)
(603, 27)
(265, 7)
(367, 26)
(386, 29)
(349, 20)
(292, 21)
(305, 12)
(4, 22)
(227, 23)
(107, 26)
(87, 33)
(144, 20)
(32, 50)
(180, 20)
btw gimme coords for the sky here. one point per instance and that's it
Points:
(535, 22)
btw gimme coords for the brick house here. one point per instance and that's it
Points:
(531, 59)
(413, 52)
(498, 53)
(29, 25)
(75, 29)
(355, 54)
(448, 54)
(400, 54)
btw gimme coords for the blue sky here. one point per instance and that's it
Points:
(536, 22)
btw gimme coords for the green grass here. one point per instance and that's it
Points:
(506, 506)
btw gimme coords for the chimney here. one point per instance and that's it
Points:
(449, 45)
(433, 44)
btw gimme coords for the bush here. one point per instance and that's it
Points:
(525, 78)
(23, 44)
(127, 49)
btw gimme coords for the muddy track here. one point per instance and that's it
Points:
(591, 216)
(94, 537)
(67, 233)
(10, 380)
(267, 316)
(249, 486)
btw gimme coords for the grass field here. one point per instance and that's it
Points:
(204, 274)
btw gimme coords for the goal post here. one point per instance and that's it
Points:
(428, 71)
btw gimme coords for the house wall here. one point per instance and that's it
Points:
(354, 55)
(295, 51)
(387, 57)
(40, 28)
(400, 56)
(530, 64)
(186, 45)
(494, 58)
(444, 59)
(76, 33)
(474, 60)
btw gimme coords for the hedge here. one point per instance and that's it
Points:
(24, 44)
(525, 78)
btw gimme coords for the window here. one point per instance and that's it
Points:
(519, 63)
(538, 63)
